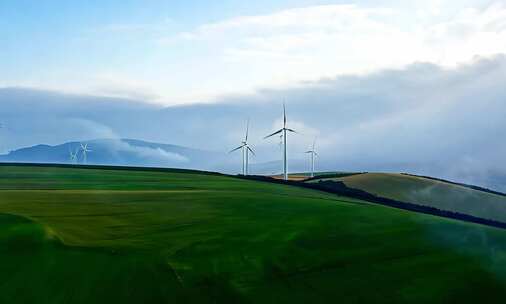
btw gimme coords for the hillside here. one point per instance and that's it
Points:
(430, 192)
(96, 235)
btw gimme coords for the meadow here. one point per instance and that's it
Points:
(104, 235)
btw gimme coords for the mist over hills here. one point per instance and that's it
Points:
(422, 119)
(127, 152)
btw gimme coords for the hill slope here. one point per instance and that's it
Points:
(430, 192)
(102, 236)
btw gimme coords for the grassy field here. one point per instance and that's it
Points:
(112, 236)
(429, 192)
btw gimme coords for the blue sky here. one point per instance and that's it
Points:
(175, 52)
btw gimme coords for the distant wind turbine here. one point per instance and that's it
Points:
(313, 154)
(283, 132)
(73, 155)
(85, 150)
(245, 149)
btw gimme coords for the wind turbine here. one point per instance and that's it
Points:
(313, 154)
(245, 149)
(73, 155)
(283, 132)
(85, 150)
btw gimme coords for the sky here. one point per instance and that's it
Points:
(184, 52)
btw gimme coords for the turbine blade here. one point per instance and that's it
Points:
(277, 132)
(247, 131)
(236, 149)
(291, 130)
(251, 150)
(284, 115)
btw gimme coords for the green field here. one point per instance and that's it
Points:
(429, 192)
(72, 235)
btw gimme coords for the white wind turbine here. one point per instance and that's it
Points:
(73, 155)
(283, 132)
(85, 150)
(313, 155)
(245, 149)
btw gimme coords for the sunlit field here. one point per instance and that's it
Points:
(132, 236)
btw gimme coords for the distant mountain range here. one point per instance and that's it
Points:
(127, 152)
(133, 152)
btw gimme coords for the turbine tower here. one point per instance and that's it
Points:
(281, 145)
(283, 131)
(313, 154)
(85, 150)
(245, 149)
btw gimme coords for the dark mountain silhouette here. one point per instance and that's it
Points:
(128, 152)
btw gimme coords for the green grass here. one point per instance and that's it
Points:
(432, 193)
(114, 236)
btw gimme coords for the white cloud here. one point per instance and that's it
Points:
(148, 153)
(323, 41)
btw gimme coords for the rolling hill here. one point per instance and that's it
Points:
(431, 192)
(104, 235)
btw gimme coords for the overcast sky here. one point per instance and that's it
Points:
(175, 52)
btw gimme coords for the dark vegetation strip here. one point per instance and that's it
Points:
(339, 188)
(478, 188)
(333, 175)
